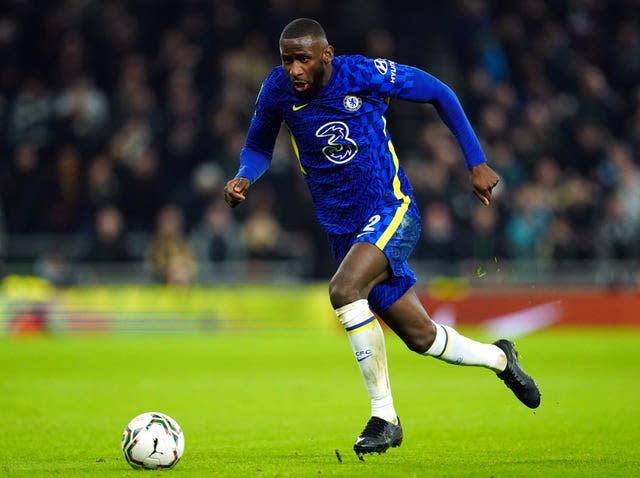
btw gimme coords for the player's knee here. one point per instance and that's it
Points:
(421, 340)
(342, 293)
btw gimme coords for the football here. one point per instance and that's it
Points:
(152, 440)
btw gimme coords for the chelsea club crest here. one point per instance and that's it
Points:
(352, 103)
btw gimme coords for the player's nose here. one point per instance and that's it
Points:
(296, 70)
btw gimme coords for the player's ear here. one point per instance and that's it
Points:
(327, 55)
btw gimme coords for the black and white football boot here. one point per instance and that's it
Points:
(377, 437)
(521, 384)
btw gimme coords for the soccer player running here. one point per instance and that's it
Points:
(334, 109)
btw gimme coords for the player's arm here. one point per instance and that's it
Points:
(413, 84)
(256, 154)
(425, 88)
(428, 89)
(253, 164)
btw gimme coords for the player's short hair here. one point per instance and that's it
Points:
(302, 27)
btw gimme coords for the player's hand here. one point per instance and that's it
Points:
(234, 191)
(483, 180)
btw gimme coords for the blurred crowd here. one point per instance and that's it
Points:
(124, 118)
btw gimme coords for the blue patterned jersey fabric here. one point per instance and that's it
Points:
(340, 137)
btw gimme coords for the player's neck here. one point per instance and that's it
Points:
(326, 77)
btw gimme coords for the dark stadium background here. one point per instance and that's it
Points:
(120, 121)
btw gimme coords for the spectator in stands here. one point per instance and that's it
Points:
(530, 220)
(215, 238)
(82, 111)
(23, 184)
(169, 256)
(30, 119)
(56, 267)
(487, 242)
(439, 233)
(108, 242)
(103, 185)
(143, 192)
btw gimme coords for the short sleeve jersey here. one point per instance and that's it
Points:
(340, 137)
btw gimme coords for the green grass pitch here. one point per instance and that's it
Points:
(281, 402)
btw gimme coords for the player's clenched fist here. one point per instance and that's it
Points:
(483, 180)
(234, 191)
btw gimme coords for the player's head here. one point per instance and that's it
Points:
(306, 56)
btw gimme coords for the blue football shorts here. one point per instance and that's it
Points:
(395, 230)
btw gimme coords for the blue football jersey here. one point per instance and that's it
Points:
(340, 137)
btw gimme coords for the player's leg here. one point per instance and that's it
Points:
(374, 255)
(362, 268)
(410, 321)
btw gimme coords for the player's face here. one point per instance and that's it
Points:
(307, 61)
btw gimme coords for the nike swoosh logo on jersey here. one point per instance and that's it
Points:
(363, 233)
(298, 107)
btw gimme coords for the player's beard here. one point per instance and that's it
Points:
(315, 85)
